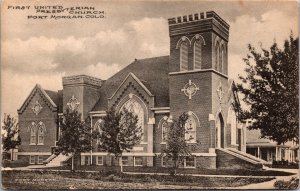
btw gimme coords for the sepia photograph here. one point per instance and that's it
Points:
(149, 94)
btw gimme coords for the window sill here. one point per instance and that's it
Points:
(163, 143)
(100, 164)
(189, 142)
(189, 167)
(137, 165)
(32, 144)
(143, 143)
(40, 144)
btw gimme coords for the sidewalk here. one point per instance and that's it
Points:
(270, 184)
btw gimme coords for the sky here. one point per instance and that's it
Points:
(44, 50)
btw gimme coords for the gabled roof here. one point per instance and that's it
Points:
(50, 97)
(137, 80)
(151, 72)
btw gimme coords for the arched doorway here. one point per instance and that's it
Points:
(220, 132)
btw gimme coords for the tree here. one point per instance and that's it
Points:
(11, 138)
(270, 89)
(75, 135)
(119, 133)
(176, 145)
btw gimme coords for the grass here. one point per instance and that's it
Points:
(99, 180)
(238, 172)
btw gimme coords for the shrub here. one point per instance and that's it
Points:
(291, 184)
(13, 164)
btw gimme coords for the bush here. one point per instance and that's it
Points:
(291, 184)
(13, 164)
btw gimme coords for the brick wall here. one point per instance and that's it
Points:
(199, 104)
(174, 64)
(225, 160)
(47, 116)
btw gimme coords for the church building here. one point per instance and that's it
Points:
(192, 79)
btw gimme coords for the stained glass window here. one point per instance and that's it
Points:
(97, 127)
(33, 133)
(164, 127)
(41, 133)
(133, 106)
(190, 129)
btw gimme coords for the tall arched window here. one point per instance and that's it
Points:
(190, 128)
(41, 133)
(197, 54)
(133, 106)
(222, 58)
(232, 120)
(184, 56)
(164, 127)
(217, 49)
(97, 127)
(33, 129)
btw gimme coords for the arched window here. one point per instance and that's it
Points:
(164, 127)
(33, 129)
(217, 49)
(232, 120)
(222, 58)
(197, 54)
(184, 56)
(41, 133)
(190, 128)
(133, 106)
(97, 127)
(220, 132)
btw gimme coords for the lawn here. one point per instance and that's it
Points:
(238, 172)
(99, 180)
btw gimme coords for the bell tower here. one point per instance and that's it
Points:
(198, 72)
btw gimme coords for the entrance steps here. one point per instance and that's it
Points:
(248, 155)
(57, 160)
(233, 159)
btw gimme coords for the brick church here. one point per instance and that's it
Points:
(192, 79)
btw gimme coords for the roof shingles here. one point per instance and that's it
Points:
(152, 72)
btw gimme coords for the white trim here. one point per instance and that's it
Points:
(162, 111)
(211, 117)
(197, 154)
(46, 95)
(184, 163)
(40, 144)
(98, 160)
(160, 108)
(135, 161)
(34, 153)
(182, 39)
(198, 70)
(198, 35)
(32, 143)
(143, 154)
(60, 114)
(97, 113)
(137, 80)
